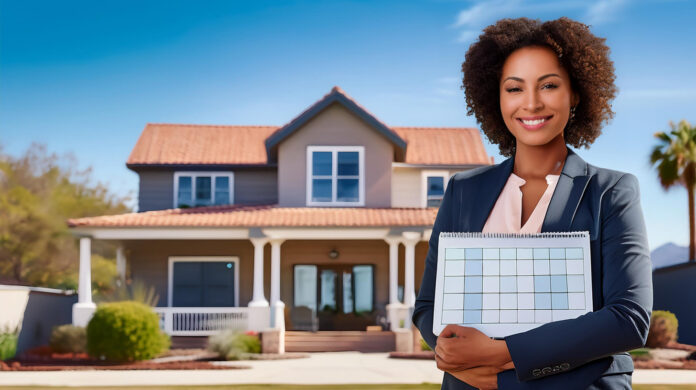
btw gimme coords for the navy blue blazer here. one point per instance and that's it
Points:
(587, 350)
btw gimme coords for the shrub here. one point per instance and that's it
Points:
(663, 329)
(8, 343)
(68, 339)
(424, 346)
(125, 331)
(234, 345)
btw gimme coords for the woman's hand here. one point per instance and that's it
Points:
(459, 348)
(484, 377)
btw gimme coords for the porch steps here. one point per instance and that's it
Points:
(335, 341)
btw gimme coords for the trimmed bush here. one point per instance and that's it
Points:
(663, 329)
(8, 344)
(125, 331)
(234, 345)
(68, 339)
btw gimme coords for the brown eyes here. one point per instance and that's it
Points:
(545, 86)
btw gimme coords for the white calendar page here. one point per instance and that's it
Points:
(507, 283)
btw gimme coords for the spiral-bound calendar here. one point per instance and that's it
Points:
(507, 283)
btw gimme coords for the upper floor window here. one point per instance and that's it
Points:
(193, 189)
(433, 184)
(335, 176)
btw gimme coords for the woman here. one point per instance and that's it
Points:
(535, 88)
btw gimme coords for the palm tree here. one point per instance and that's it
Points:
(675, 157)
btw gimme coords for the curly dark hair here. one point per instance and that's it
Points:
(584, 56)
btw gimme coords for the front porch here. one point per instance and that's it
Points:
(318, 278)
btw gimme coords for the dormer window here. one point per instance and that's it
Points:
(194, 189)
(335, 176)
(433, 185)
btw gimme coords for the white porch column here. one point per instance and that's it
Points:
(121, 263)
(395, 310)
(410, 241)
(258, 299)
(393, 268)
(277, 306)
(84, 308)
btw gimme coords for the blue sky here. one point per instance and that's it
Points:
(85, 76)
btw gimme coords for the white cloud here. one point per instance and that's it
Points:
(472, 20)
(484, 11)
(468, 35)
(603, 11)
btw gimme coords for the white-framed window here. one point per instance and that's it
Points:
(433, 185)
(203, 281)
(193, 189)
(335, 176)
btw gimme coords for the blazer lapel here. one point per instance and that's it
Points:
(564, 202)
(488, 190)
(567, 195)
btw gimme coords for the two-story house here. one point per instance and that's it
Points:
(319, 224)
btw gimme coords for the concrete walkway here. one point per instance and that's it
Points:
(319, 368)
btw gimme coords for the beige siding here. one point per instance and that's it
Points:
(408, 186)
(335, 126)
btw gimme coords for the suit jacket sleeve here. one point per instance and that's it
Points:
(622, 323)
(423, 310)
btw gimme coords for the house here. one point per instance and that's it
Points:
(320, 224)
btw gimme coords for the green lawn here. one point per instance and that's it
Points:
(425, 386)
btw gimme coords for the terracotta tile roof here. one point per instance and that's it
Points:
(443, 145)
(266, 216)
(163, 143)
(207, 144)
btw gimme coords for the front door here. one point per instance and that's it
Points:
(342, 294)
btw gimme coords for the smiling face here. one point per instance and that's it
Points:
(535, 96)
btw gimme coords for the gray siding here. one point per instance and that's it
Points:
(43, 312)
(251, 186)
(256, 186)
(156, 190)
(673, 291)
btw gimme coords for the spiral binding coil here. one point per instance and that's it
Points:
(513, 235)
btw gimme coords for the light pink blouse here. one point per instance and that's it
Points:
(506, 216)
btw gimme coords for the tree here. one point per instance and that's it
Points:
(675, 156)
(38, 193)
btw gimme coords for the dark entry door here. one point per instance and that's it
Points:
(345, 295)
(203, 284)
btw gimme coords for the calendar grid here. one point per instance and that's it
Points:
(525, 284)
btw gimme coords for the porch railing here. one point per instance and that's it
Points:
(201, 321)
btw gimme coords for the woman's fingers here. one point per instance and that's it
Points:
(446, 366)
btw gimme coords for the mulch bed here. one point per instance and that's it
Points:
(43, 359)
(97, 365)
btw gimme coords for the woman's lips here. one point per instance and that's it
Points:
(534, 123)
